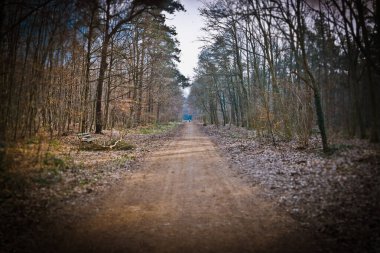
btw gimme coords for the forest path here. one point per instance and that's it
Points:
(185, 199)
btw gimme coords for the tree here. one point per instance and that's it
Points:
(271, 64)
(66, 66)
(113, 22)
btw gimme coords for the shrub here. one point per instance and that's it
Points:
(121, 145)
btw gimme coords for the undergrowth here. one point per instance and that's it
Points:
(121, 145)
(157, 128)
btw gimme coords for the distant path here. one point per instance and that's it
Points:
(185, 199)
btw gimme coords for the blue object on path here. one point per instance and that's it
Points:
(187, 117)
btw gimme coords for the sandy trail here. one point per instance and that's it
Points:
(185, 199)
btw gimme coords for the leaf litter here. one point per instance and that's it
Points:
(336, 195)
(32, 197)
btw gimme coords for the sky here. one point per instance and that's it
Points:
(188, 26)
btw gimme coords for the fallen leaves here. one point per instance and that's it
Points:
(337, 195)
(69, 176)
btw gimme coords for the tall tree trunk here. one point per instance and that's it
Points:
(85, 99)
(102, 71)
(99, 87)
(109, 89)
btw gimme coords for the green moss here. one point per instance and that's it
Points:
(124, 159)
(92, 147)
(128, 157)
(157, 128)
(52, 161)
(121, 145)
(55, 143)
(147, 130)
(51, 170)
(84, 181)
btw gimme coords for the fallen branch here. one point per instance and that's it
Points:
(114, 145)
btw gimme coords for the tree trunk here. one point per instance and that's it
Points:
(85, 102)
(99, 87)
(109, 89)
(320, 119)
(102, 71)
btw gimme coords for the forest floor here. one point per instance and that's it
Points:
(190, 188)
(40, 176)
(336, 195)
(183, 198)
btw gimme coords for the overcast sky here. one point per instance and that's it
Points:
(188, 26)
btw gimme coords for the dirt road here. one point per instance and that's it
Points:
(185, 199)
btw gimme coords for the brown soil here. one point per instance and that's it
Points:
(183, 199)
